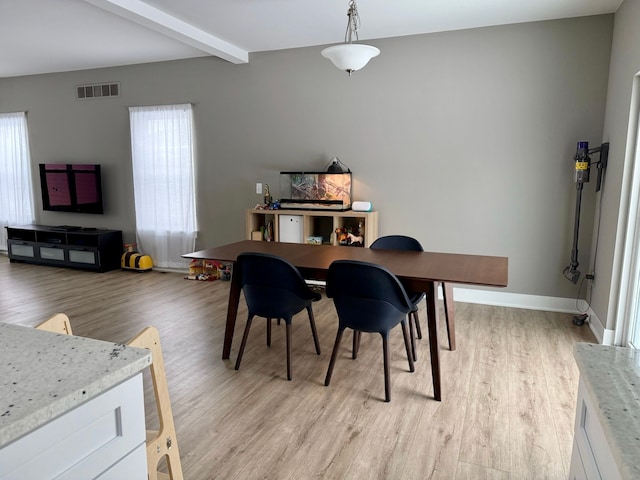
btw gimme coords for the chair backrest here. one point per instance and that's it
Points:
(163, 442)
(367, 296)
(272, 286)
(397, 242)
(59, 323)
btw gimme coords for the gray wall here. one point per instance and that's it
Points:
(625, 64)
(463, 139)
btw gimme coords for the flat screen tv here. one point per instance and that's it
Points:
(71, 188)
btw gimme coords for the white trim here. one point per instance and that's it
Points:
(160, 21)
(621, 303)
(605, 336)
(519, 300)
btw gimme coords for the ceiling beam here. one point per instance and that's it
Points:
(155, 19)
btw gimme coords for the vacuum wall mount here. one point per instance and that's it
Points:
(582, 168)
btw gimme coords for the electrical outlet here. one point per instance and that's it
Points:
(258, 188)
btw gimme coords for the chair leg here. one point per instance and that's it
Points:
(354, 347)
(356, 344)
(385, 356)
(268, 332)
(288, 322)
(418, 329)
(334, 354)
(244, 341)
(412, 335)
(314, 332)
(412, 367)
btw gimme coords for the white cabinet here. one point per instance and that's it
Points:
(576, 469)
(606, 442)
(102, 438)
(73, 407)
(592, 458)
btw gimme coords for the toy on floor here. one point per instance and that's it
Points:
(132, 260)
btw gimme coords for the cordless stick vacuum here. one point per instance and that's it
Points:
(582, 168)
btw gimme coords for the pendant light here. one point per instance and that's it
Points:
(351, 56)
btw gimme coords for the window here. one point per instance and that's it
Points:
(164, 182)
(16, 191)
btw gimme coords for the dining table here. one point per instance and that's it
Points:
(418, 271)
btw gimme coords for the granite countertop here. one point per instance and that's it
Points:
(44, 374)
(612, 377)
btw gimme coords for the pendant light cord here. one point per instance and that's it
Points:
(353, 25)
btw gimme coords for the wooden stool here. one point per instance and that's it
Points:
(161, 443)
(59, 323)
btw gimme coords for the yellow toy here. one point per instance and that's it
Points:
(136, 261)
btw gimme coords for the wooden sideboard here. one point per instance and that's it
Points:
(319, 224)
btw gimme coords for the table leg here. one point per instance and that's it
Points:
(432, 322)
(447, 293)
(232, 312)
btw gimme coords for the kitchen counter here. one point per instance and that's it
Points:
(44, 375)
(611, 376)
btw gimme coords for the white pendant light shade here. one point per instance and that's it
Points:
(350, 56)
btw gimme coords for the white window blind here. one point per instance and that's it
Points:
(16, 191)
(164, 182)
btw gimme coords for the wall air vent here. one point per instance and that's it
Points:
(99, 90)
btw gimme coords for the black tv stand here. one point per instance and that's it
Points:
(66, 228)
(74, 247)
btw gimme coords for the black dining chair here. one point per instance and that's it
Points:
(368, 298)
(274, 288)
(403, 242)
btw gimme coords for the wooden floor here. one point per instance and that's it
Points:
(509, 389)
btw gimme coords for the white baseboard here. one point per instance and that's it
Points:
(535, 302)
(604, 336)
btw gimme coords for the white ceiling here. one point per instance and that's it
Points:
(44, 36)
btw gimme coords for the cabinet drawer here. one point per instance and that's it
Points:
(136, 461)
(83, 443)
(596, 456)
(89, 257)
(51, 253)
(21, 249)
(576, 469)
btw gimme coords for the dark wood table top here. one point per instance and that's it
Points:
(414, 268)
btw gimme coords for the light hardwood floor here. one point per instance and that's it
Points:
(509, 389)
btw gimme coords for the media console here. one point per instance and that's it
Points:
(65, 246)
